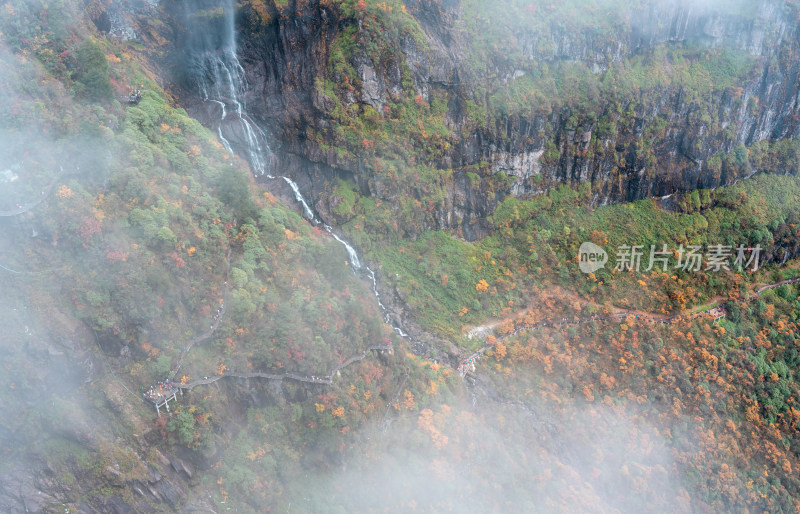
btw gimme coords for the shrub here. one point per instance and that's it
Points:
(91, 75)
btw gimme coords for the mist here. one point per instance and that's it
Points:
(498, 459)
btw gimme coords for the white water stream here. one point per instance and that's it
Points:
(221, 79)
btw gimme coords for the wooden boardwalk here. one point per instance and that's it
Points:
(309, 379)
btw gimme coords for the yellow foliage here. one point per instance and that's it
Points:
(64, 192)
(149, 350)
(433, 423)
(409, 402)
(261, 10)
(751, 413)
(136, 369)
(500, 351)
(258, 454)
(482, 286)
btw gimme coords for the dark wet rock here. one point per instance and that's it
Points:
(284, 58)
(20, 491)
(181, 466)
(116, 505)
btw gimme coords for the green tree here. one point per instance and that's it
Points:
(238, 277)
(234, 190)
(92, 73)
(182, 425)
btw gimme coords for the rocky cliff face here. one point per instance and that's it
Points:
(685, 132)
(655, 142)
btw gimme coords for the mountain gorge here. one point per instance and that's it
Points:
(655, 101)
(346, 236)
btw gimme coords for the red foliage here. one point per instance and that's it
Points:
(371, 372)
(89, 227)
(116, 255)
(179, 262)
(161, 425)
(295, 354)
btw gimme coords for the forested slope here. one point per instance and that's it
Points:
(135, 248)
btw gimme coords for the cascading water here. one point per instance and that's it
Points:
(307, 212)
(225, 142)
(220, 79)
(355, 262)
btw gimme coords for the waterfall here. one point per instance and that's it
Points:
(307, 212)
(225, 142)
(355, 262)
(350, 250)
(220, 78)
